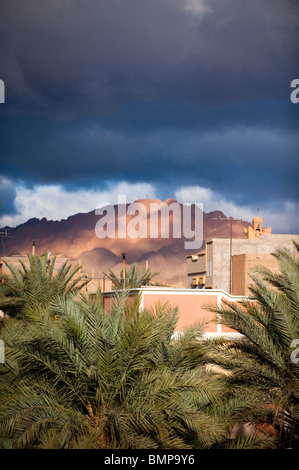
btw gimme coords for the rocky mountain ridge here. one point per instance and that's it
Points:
(76, 238)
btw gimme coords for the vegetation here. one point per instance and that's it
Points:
(77, 376)
(263, 359)
(134, 278)
(26, 290)
(86, 379)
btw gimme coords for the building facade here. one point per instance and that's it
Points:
(219, 265)
(191, 303)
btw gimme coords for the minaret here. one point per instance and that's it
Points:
(257, 230)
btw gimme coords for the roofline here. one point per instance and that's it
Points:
(177, 290)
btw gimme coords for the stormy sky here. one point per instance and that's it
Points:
(149, 98)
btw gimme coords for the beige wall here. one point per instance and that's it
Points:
(94, 284)
(221, 253)
(217, 259)
(15, 262)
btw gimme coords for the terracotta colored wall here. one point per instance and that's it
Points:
(243, 264)
(108, 299)
(238, 274)
(190, 307)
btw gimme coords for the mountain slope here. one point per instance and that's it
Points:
(76, 238)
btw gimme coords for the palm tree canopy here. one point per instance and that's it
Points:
(134, 277)
(26, 289)
(92, 379)
(269, 323)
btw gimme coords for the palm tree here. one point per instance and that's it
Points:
(262, 358)
(88, 379)
(134, 277)
(25, 289)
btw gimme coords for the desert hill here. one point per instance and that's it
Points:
(76, 238)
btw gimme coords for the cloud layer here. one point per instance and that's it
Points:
(55, 203)
(164, 93)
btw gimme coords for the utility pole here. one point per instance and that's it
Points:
(124, 269)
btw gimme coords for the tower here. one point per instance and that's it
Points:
(257, 230)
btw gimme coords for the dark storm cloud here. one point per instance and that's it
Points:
(251, 161)
(7, 196)
(151, 91)
(78, 56)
